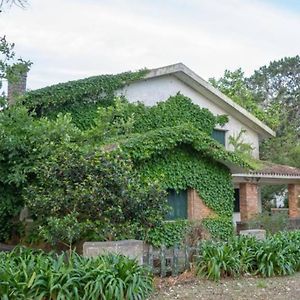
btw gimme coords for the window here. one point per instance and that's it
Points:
(219, 136)
(236, 200)
(178, 203)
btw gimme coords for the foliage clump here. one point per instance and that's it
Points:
(99, 187)
(80, 98)
(28, 274)
(61, 169)
(277, 255)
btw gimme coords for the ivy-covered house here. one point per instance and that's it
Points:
(159, 84)
(179, 135)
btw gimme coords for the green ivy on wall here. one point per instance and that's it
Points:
(182, 168)
(169, 142)
(220, 228)
(143, 146)
(79, 97)
(175, 111)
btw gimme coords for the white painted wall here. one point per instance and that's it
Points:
(236, 217)
(153, 90)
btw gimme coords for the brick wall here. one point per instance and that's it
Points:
(294, 200)
(197, 210)
(249, 200)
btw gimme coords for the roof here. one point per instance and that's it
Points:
(269, 168)
(193, 80)
(272, 173)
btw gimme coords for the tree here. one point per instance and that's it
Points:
(273, 89)
(25, 142)
(279, 84)
(11, 68)
(234, 85)
(99, 187)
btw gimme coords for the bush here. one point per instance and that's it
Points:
(25, 274)
(272, 223)
(277, 255)
(99, 187)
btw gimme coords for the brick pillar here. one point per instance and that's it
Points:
(197, 210)
(249, 200)
(294, 200)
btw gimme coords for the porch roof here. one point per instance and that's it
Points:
(270, 173)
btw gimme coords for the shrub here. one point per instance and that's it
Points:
(99, 186)
(277, 255)
(27, 274)
(66, 230)
(272, 223)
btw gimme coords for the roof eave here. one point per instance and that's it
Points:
(266, 178)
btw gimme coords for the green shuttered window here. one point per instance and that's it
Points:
(178, 203)
(219, 136)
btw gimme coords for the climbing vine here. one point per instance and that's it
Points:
(182, 168)
(169, 143)
(79, 97)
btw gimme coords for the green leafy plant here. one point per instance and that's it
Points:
(96, 187)
(277, 255)
(272, 223)
(81, 98)
(217, 260)
(27, 274)
(239, 145)
(66, 230)
(220, 228)
(169, 233)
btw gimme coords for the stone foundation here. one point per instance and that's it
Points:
(131, 248)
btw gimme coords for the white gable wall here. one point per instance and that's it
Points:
(153, 90)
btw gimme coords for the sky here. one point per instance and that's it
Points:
(72, 39)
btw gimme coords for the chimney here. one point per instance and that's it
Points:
(16, 88)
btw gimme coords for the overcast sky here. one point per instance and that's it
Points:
(71, 39)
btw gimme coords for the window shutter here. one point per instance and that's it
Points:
(219, 136)
(178, 203)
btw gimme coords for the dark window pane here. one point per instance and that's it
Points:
(178, 203)
(236, 200)
(219, 136)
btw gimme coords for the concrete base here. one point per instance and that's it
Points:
(260, 234)
(131, 248)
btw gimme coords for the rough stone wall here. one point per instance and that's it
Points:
(132, 248)
(15, 89)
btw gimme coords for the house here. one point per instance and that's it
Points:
(159, 84)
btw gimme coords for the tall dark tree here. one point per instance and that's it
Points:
(279, 83)
(272, 94)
